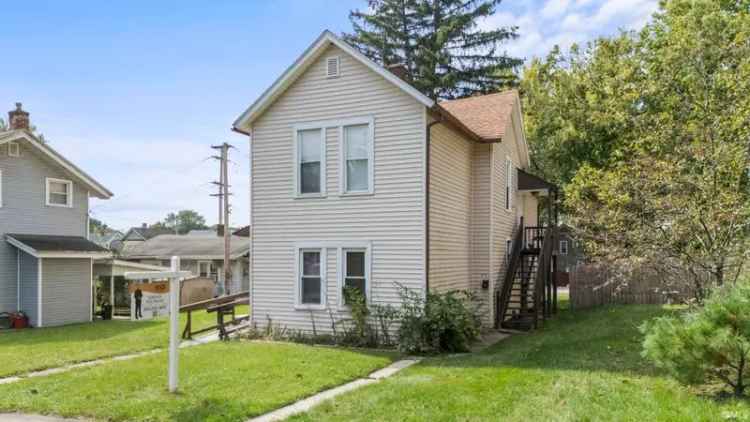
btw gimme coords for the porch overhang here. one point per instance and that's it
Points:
(48, 246)
(529, 183)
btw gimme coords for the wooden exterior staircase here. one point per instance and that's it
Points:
(528, 293)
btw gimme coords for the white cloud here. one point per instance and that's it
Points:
(554, 8)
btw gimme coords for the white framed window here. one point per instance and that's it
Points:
(59, 193)
(207, 269)
(310, 289)
(355, 272)
(563, 247)
(333, 67)
(309, 158)
(356, 166)
(14, 149)
(508, 184)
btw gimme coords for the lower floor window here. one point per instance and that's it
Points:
(310, 277)
(355, 273)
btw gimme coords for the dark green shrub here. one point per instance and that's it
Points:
(438, 322)
(707, 344)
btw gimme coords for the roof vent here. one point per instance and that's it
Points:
(332, 67)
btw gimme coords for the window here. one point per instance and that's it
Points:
(310, 152)
(310, 287)
(355, 271)
(207, 269)
(14, 149)
(333, 65)
(357, 154)
(59, 193)
(508, 246)
(508, 183)
(563, 247)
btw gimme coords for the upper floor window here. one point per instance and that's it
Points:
(310, 157)
(508, 183)
(59, 193)
(357, 152)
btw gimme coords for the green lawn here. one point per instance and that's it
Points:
(40, 348)
(583, 366)
(228, 381)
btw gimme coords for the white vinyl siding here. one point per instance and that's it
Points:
(59, 193)
(392, 219)
(1, 188)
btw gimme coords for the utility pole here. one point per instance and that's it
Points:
(223, 195)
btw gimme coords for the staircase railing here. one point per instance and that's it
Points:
(502, 297)
(543, 275)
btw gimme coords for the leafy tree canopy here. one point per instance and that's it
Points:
(183, 222)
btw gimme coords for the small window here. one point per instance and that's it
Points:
(332, 67)
(357, 150)
(508, 184)
(563, 247)
(355, 271)
(310, 277)
(310, 164)
(14, 149)
(508, 247)
(207, 269)
(59, 193)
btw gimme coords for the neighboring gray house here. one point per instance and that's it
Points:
(46, 258)
(201, 254)
(569, 250)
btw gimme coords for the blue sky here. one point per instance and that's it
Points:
(135, 92)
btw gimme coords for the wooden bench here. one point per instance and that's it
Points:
(223, 305)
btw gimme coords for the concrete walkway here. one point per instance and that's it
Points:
(52, 371)
(312, 401)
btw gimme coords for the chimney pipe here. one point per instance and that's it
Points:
(18, 119)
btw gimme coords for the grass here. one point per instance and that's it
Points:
(583, 366)
(228, 381)
(41, 348)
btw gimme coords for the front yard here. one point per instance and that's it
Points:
(584, 366)
(218, 382)
(40, 348)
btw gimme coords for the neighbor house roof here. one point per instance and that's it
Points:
(47, 246)
(187, 247)
(94, 187)
(145, 233)
(243, 232)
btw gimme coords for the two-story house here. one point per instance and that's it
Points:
(358, 179)
(46, 258)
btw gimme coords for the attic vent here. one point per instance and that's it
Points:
(332, 67)
(14, 149)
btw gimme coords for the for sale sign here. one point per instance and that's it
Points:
(148, 300)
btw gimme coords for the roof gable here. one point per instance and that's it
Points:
(302, 63)
(93, 186)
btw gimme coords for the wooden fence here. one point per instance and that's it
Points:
(598, 284)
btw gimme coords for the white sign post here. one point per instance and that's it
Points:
(174, 276)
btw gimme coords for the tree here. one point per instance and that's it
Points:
(446, 53)
(183, 222)
(649, 134)
(98, 227)
(708, 344)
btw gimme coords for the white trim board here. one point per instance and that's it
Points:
(55, 254)
(313, 52)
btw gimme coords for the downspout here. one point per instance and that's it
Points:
(428, 131)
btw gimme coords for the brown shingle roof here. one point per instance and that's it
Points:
(486, 115)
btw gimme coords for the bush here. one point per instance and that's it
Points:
(708, 344)
(439, 322)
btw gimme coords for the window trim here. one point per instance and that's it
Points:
(508, 184)
(297, 162)
(298, 250)
(370, 122)
(563, 242)
(18, 149)
(69, 183)
(210, 264)
(365, 247)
